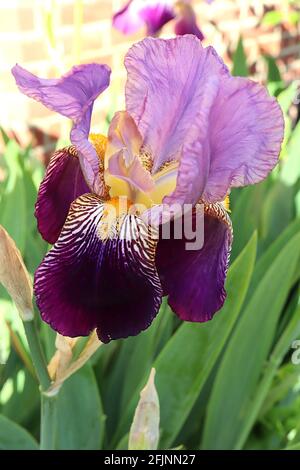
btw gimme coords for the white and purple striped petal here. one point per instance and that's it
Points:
(87, 282)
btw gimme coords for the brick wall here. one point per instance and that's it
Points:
(23, 39)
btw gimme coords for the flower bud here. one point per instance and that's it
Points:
(62, 357)
(61, 366)
(144, 431)
(14, 276)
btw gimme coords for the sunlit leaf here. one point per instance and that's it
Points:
(277, 211)
(272, 18)
(13, 205)
(246, 215)
(290, 171)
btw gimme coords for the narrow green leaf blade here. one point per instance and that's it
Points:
(14, 437)
(270, 254)
(273, 70)
(247, 350)
(13, 203)
(80, 417)
(290, 333)
(240, 67)
(246, 215)
(290, 165)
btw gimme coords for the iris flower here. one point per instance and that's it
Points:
(154, 14)
(189, 133)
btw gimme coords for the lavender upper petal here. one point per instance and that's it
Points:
(73, 96)
(170, 92)
(246, 132)
(225, 131)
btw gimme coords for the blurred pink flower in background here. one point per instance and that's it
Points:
(154, 14)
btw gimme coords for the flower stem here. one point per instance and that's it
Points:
(48, 407)
(48, 422)
(37, 354)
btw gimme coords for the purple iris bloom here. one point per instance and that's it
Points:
(154, 14)
(189, 133)
(186, 21)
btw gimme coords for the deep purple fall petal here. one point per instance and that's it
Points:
(73, 96)
(85, 283)
(62, 184)
(194, 279)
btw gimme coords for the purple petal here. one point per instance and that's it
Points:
(128, 20)
(186, 21)
(157, 14)
(122, 155)
(88, 281)
(171, 89)
(73, 96)
(246, 132)
(138, 13)
(62, 184)
(225, 131)
(194, 279)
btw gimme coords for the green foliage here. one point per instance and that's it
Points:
(240, 67)
(226, 384)
(13, 204)
(276, 17)
(238, 374)
(13, 437)
(79, 409)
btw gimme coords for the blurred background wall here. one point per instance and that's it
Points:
(49, 36)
